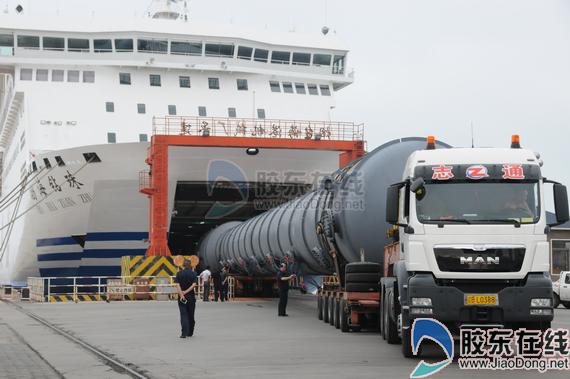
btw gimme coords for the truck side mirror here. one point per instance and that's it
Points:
(392, 204)
(561, 204)
(418, 187)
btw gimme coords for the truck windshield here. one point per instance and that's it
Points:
(482, 202)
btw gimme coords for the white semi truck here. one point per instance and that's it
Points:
(473, 247)
(561, 289)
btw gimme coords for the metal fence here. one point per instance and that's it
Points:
(258, 128)
(110, 288)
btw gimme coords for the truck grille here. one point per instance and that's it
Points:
(492, 259)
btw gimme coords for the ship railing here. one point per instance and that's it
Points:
(257, 128)
(110, 288)
(6, 95)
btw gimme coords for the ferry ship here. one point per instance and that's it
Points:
(80, 100)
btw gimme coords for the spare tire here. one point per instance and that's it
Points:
(362, 287)
(363, 267)
(363, 277)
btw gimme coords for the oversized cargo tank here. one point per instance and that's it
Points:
(347, 212)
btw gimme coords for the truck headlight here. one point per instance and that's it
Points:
(540, 302)
(422, 301)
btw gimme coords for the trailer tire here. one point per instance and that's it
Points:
(343, 316)
(407, 343)
(556, 301)
(337, 315)
(326, 309)
(362, 267)
(382, 311)
(320, 307)
(332, 310)
(362, 287)
(363, 277)
(566, 304)
(390, 324)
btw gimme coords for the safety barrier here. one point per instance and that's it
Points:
(15, 293)
(109, 288)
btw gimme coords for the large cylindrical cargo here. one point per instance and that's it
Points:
(348, 208)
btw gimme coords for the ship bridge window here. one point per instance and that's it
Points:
(141, 108)
(34, 166)
(303, 59)
(111, 137)
(47, 163)
(88, 76)
(325, 90)
(245, 52)
(300, 88)
(186, 48)
(123, 45)
(152, 46)
(73, 76)
(42, 75)
(275, 87)
(59, 161)
(125, 78)
(26, 74)
(102, 46)
(287, 87)
(110, 106)
(242, 84)
(143, 137)
(91, 157)
(219, 50)
(322, 60)
(202, 111)
(6, 44)
(312, 89)
(260, 55)
(214, 83)
(78, 45)
(338, 64)
(261, 113)
(184, 81)
(29, 42)
(172, 110)
(57, 75)
(155, 80)
(280, 57)
(232, 113)
(54, 43)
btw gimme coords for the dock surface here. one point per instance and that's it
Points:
(241, 339)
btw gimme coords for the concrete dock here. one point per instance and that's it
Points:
(232, 340)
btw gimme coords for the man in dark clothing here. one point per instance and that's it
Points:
(283, 283)
(217, 278)
(225, 283)
(186, 281)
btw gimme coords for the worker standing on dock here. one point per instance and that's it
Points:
(205, 276)
(217, 279)
(186, 281)
(283, 284)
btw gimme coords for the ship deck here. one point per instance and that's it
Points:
(241, 339)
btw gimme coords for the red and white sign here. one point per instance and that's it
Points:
(442, 172)
(513, 171)
(477, 172)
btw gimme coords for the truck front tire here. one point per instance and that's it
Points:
(389, 323)
(407, 343)
(556, 301)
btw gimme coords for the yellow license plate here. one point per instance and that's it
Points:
(481, 300)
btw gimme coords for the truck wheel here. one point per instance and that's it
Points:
(391, 328)
(332, 310)
(556, 301)
(326, 309)
(566, 304)
(407, 343)
(382, 312)
(337, 315)
(343, 316)
(320, 307)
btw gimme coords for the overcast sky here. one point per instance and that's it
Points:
(425, 67)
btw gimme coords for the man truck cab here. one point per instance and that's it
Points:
(473, 240)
